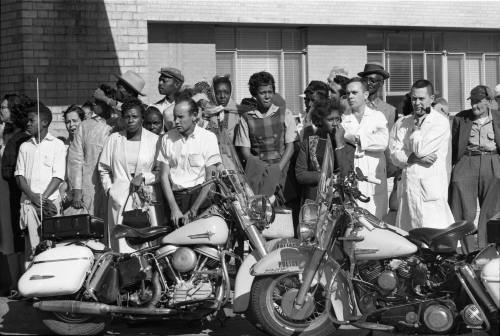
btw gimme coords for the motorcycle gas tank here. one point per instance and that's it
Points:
(205, 231)
(57, 271)
(380, 244)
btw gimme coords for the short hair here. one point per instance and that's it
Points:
(88, 104)
(12, 99)
(16, 103)
(74, 108)
(260, 79)
(322, 110)
(363, 81)
(423, 83)
(193, 107)
(224, 79)
(34, 107)
(184, 94)
(133, 103)
(153, 110)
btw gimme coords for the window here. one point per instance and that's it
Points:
(243, 51)
(412, 55)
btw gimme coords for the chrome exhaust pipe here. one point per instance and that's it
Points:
(94, 308)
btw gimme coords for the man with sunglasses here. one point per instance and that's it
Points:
(476, 161)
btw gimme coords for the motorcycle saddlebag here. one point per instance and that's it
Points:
(75, 226)
(56, 271)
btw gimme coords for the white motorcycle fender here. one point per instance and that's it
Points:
(244, 279)
(57, 271)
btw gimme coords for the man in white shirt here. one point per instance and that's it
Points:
(189, 154)
(40, 169)
(169, 84)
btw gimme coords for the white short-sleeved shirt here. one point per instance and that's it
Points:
(188, 157)
(243, 138)
(167, 110)
(39, 163)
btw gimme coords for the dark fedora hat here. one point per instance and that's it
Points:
(374, 68)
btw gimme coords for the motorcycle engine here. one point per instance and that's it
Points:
(188, 291)
(395, 274)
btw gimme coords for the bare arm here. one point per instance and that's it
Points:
(175, 212)
(202, 196)
(287, 155)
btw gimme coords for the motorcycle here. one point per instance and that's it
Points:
(353, 269)
(182, 274)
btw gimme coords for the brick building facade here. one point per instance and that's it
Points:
(71, 46)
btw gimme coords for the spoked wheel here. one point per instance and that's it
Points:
(73, 324)
(272, 307)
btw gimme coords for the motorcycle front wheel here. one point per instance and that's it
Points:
(272, 299)
(73, 324)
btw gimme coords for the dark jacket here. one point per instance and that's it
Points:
(460, 132)
(308, 176)
(9, 158)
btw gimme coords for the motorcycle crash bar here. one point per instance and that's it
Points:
(94, 308)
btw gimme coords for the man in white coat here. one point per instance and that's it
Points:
(367, 130)
(419, 144)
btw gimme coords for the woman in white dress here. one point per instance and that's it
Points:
(367, 130)
(128, 165)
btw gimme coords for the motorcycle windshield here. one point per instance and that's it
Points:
(327, 169)
(231, 163)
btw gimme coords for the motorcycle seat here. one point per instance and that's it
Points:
(443, 240)
(140, 236)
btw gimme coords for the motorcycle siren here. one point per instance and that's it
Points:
(261, 210)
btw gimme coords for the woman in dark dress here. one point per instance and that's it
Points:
(327, 118)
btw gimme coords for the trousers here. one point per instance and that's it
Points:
(476, 178)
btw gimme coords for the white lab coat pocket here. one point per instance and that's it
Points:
(430, 189)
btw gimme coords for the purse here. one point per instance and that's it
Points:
(136, 218)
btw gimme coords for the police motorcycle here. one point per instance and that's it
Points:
(353, 269)
(78, 284)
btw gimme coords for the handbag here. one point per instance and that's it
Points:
(136, 218)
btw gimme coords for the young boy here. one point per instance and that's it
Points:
(39, 171)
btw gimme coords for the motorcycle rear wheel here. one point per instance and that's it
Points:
(266, 314)
(73, 324)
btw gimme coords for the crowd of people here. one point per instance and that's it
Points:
(122, 154)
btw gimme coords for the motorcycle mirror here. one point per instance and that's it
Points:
(359, 174)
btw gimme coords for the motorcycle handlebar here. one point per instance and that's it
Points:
(363, 198)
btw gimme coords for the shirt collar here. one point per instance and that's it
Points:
(485, 120)
(48, 137)
(272, 110)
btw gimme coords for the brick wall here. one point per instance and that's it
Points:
(70, 46)
(400, 13)
(190, 48)
(328, 47)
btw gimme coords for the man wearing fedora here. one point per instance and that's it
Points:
(128, 86)
(169, 84)
(476, 161)
(375, 75)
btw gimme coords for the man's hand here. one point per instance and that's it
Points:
(137, 180)
(176, 215)
(77, 201)
(428, 160)
(35, 199)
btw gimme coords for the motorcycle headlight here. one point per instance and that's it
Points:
(308, 218)
(261, 209)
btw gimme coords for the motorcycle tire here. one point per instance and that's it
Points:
(263, 316)
(73, 324)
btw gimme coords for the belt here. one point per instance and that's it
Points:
(185, 191)
(480, 152)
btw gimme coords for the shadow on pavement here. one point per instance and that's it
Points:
(21, 318)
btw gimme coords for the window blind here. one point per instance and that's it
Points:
(455, 79)
(492, 71)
